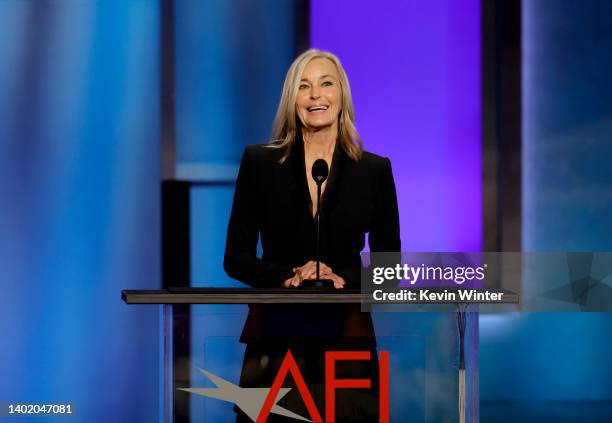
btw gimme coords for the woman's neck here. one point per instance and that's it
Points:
(320, 143)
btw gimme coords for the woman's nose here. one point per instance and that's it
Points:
(315, 93)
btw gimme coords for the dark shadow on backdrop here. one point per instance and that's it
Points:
(501, 124)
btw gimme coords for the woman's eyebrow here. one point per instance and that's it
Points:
(321, 77)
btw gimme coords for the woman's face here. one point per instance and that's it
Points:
(319, 97)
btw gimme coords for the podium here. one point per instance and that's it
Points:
(201, 353)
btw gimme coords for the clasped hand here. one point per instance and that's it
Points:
(309, 271)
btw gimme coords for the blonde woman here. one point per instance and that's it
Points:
(275, 200)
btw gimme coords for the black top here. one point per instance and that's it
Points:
(272, 201)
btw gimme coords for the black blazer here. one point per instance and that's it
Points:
(272, 201)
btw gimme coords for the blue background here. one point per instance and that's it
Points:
(80, 194)
(557, 361)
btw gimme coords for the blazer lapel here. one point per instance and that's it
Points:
(294, 175)
(335, 176)
(296, 182)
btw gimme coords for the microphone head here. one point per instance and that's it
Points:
(320, 171)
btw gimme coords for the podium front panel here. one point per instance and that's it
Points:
(210, 370)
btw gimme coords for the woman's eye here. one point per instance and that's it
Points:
(327, 83)
(303, 86)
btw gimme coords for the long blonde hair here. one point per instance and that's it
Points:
(286, 123)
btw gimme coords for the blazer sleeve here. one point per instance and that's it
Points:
(385, 231)
(384, 235)
(240, 260)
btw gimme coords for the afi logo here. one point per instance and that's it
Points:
(259, 403)
(331, 384)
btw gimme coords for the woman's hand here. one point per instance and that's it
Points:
(296, 281)
(309, 271)
(338, 281)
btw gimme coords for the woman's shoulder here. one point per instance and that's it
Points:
(373, 161)
(263, 153)
(370, 157)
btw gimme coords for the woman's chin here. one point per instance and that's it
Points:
(317, 126)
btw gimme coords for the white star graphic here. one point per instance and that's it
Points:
(249, 400)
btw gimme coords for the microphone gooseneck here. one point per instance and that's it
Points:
(320, 171)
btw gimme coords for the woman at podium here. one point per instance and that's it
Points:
(276, 201)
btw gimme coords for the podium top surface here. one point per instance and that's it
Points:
(241, 296)
(275, 296)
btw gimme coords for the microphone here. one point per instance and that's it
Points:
(320, 172)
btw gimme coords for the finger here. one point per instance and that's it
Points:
(321, 265)
(323, 275)
(326, 271)
(302, 271)
(312, 270)
(307, 265)
(309, 272)
(310, 265)
(297, 279)
(312, 273)
(338, 281)
(322, 272)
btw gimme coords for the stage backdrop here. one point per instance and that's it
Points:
(561, 359)
(79, 213)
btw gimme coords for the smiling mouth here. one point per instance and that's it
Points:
(317, 109)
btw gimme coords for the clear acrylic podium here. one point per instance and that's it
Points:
(200, 330)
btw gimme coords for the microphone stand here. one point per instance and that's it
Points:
(318, 282)
(318, 221)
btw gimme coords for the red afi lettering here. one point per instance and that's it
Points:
(331, 384)
(289, 365)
